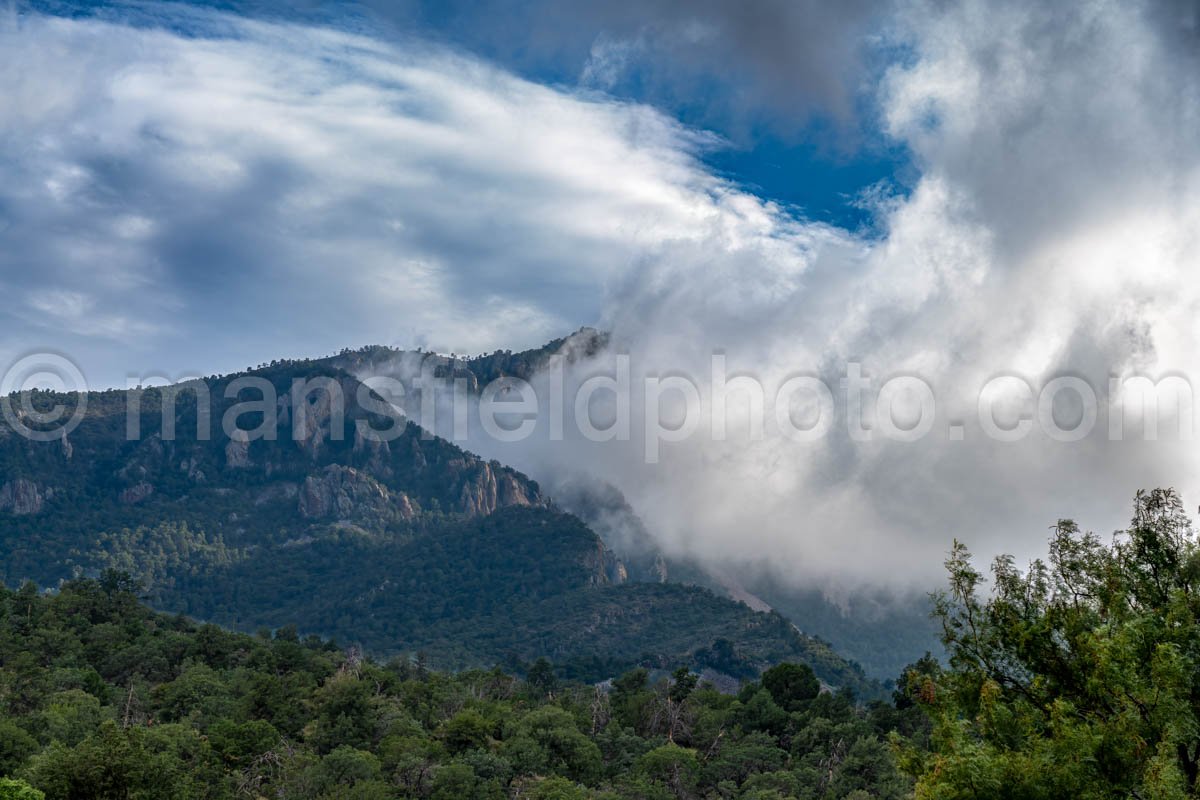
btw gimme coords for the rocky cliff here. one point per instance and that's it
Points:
(317, 447)
(21, 497)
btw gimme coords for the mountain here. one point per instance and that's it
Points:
(881, 631)
(401, 546)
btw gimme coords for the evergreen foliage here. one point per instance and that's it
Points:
(103, 699)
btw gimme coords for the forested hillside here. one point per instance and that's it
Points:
(104, 700)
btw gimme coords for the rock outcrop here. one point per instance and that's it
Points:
(345, 493)
(491, 488)
(617, 574)
(21, 497)
(311, 415)
(192, 467)
(237, 450)
(136, 493)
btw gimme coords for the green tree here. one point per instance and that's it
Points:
(632, 700)
(671, 766)
(541, 676)
(547, 741)
(791, 685)
(16, 745)
(558, 789)
(13, 789)
(1076, 678)
(467, 730)
(453, 781)
(71, 715)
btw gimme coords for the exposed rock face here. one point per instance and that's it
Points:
(511, 492)
(278, 491)
(403, 505)
(192, 467)
(604, 567)
(21, 497)
(379, 454)
(312, 413)
(660, 568)
(617, 573)
(237, 451)
(344, 493)
(136, 493)
(283, 410)
(489, 489)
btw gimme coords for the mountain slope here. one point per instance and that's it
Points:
(406, 545)
(883, 633)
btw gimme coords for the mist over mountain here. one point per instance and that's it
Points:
(884, 628)
(401, 543)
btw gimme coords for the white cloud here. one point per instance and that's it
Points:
(244, 190)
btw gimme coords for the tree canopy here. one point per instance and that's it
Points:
(104, 699)
(1078, 677)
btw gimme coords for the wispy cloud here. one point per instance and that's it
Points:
(246, 184)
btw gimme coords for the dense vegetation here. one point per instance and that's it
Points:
(1077, 678)
(102, 699)
(513, 586)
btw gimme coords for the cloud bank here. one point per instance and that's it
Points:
(1053, 231)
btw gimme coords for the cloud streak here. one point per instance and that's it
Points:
(263, 178)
